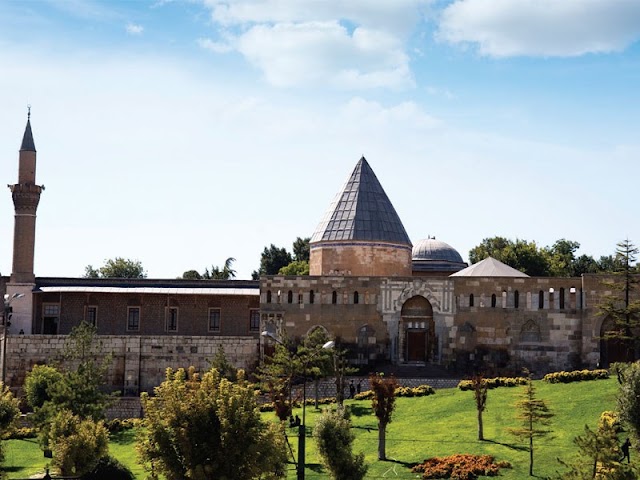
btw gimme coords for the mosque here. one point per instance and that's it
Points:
(387, 301)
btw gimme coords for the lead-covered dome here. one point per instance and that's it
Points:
(431, 256)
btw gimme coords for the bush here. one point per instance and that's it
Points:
(108, 468)
(118, 425)
(38, 383)
(419, 391)
(495, 382)
(576, 376)
(460, 467)
(23, 432)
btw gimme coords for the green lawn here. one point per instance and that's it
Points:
(441, 424)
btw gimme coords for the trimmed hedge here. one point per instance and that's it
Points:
(494, 382)
(461, 467)
(419, 391)
(576, 376)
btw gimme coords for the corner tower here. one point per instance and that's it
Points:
(361, 233)
(26, 196)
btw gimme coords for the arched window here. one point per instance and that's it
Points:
(334, 297)
(530, 332)
(541, 300)
(311, 296)
(268, 296)
(356, 297)
(562, 299)
(504, 299)
(516, 299)
(471, 300)
(300, 299)
(289, 296)
(493, 301)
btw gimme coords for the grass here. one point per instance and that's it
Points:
(437, 425)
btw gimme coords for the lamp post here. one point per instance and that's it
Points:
(6, 316)
(302, 428)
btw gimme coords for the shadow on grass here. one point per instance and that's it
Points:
(315, 467)
(512, 446)
(123, 437)
(360, 410)
(368, 428)
(400, 462)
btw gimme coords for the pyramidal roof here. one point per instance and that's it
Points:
(489, 267)
(27, 139)
(361, 211)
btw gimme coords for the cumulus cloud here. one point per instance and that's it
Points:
(504, 28)
(134, 29)
(360, 44)
(217, 47)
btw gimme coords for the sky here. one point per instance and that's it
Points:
(181, 133)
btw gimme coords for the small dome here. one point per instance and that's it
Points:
(430, 249)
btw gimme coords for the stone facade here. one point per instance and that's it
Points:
(139, 362)
(360, 259)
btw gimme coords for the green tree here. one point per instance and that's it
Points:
(191, 275)
(273, 259)
(628, 397)
(521, 255)
(9, 412)
(201, 427)
(383, 403)
(301, 249)
(534, 416)
(77, 444)
(224, 273)
(480, 390)
(221, 363)
(561, 258)
(335, 444)
(619, 307)
(598, 457)
(117, 268)
(38, 385)
(297, 267)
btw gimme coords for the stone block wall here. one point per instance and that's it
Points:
(360, 259)
(139, 363)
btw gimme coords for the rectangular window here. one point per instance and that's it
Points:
(50, 318)
(133, 319)
(91, 315)
(171, 319)
(214, 319)
(254, 320)
(51, 309)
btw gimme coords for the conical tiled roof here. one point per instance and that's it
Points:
(27, 140)
(489, 267)
(361, 211)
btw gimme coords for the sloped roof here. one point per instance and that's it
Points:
(489, 267)
(27, 140)
(361, 211)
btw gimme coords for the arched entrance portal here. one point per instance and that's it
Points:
(417, 330)
(613, 346)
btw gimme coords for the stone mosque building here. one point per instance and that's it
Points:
(389, 302)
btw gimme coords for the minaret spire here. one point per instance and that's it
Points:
(27, 139)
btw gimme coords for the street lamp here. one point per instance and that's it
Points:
(6, 316)
(302, 428)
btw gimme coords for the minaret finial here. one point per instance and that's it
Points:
(29, 112)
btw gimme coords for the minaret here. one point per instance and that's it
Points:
(26, 195)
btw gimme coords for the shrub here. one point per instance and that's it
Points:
(419, 391)
(611, 419)
(121, 424)
(494, 382)
(576, 376)
(460, 467)
(108, 468)
(23, 432)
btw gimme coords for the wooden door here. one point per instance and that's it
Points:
(416, 345)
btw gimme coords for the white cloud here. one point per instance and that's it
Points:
(360, 44)
(324, 52)
(217, 47)
(134, 29)
(562, 28)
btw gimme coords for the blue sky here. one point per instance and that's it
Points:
(181, 133)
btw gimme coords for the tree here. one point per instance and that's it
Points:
(619, 306)
(335, 445)
(273, 259)
(223, 366)
(301, 249)
(383, 403)
(224, 273)
(599, 456)
(77, 444)
(480, 390)
(38, 384)
(628, 398)
(9, 412)
(201, 427)
(191, 275)
(117, 268)
(561, 258)
(521, 255)
(534, 415)
(297, 267)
